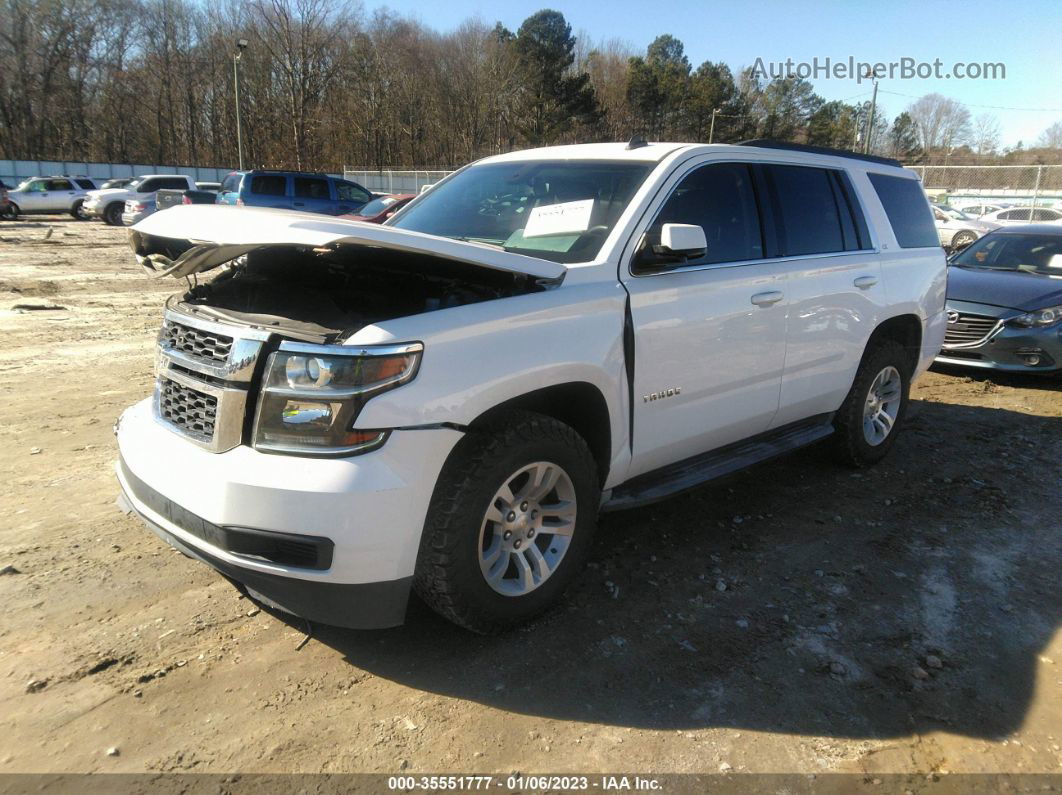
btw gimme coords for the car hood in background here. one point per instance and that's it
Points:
(112, 193)
(1012, 289)
(210, 235)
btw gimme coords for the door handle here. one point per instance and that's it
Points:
(865, 282)
(766, 299)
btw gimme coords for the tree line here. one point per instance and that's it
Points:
(323, 84)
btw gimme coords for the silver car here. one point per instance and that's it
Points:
(49, 195)
(956, 229)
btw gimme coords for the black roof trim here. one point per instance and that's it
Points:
(767, 143)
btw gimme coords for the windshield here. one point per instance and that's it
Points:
(556, 210)
(951, 212)
(1030, 253)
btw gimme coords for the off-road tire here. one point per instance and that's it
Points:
(112, 214)
(850, 444)
(448, 576)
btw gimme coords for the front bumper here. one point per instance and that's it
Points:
(1011, 349)
(371, 508)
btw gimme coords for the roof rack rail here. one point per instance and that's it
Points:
(767, 143)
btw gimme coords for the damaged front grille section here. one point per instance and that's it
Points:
(195, 342)
(203, 378)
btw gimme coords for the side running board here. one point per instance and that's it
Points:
(685, 475)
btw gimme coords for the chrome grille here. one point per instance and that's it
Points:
(195, 342)
(191, 411)
(968, 329)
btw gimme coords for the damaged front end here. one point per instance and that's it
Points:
(252, 352)
(322, 279)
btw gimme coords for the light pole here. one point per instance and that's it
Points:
(241, 45)
(711, 130)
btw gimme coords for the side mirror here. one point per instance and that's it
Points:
(684, 240)
(426, 188)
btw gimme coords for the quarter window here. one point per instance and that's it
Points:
(906, 206)
(720, 199)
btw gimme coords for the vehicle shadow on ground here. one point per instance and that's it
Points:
(798, 597)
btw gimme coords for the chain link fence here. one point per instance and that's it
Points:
(390, 181)
(1019, 186)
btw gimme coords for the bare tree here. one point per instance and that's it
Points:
(942, 123)
(1051, 138)
(985, 135)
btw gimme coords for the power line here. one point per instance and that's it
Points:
(971, 105)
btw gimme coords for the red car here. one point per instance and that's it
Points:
(380, 209)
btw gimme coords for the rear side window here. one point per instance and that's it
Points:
(905, 205)
(269, 185)
(311, 188)
(807, 206)
(1045, 215)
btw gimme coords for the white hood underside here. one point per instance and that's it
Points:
(220, 231)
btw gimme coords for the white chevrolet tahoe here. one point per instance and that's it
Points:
(346, 412)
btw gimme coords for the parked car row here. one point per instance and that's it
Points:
(129, 200)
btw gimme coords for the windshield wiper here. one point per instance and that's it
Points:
(480, 241)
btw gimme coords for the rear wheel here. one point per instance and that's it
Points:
(78, 210)
(10, 212)
(870, 417)
(510, 522)
(113, 214)
(962, 240)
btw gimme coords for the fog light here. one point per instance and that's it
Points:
(1030, 356)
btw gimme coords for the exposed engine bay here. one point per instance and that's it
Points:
(321, 294)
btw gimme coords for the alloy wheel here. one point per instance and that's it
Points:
(527, 528)
(882, 405)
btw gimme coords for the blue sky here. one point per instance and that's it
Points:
(1022, 35)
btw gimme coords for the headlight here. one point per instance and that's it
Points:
(312, 394)
(1040, 318)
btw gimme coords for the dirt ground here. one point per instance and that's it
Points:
(796, 618)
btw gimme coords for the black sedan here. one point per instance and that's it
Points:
(1005, 301)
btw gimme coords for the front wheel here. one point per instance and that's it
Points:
(113, 214)
(510, 522)
(870, 417)
(962, 240)
(78, 210)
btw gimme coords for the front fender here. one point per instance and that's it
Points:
(479, 356)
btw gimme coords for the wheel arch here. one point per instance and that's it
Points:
(578, 404)
(905, 329)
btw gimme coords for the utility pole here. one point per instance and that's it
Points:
(241, 45)
(870, 120)
(711, 130)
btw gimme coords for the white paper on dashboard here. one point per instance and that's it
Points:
(559, 219)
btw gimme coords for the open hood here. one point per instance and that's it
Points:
(194, 238)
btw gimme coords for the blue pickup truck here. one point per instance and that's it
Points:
(293, 190)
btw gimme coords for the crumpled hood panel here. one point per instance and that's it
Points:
(199, 237)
